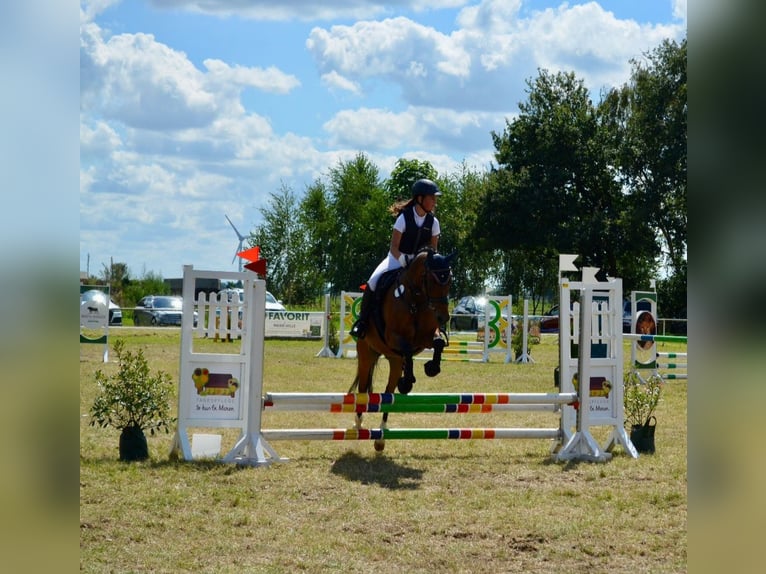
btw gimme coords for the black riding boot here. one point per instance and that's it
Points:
(359, 330)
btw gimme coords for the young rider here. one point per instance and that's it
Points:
(415, 227)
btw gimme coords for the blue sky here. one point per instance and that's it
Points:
(191, 110)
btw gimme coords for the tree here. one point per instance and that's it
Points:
(116, 275)
(650, 112)
(150, 284)
(362, 231)
(405, 173)
(554, 190)
(458, 210)
(318, 226)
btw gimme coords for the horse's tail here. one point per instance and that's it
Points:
(355, 385)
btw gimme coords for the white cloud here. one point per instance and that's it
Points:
(379, 130)
(270, 79)
(98, 139)
(387, 48)
(484, 63)
(372, 129)
(335, 81)
(142, 83)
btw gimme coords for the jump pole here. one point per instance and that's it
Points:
(413, 434)
(470, 403)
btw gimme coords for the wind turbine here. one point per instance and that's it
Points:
(241, 242)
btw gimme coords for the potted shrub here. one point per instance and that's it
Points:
(132, 401)
(517, 340)
(641, 397)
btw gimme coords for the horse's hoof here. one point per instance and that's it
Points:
(380, 445)
(404, 386)
(432, 368)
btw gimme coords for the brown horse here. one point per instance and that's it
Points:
(406, 320)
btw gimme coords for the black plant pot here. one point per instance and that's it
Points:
(642, 436)
(133, 444)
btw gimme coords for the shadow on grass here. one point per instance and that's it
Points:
(377, 469)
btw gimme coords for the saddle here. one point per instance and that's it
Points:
(385, 282)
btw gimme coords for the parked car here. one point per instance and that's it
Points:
(273, 304)
(115, 313)
(549, 323)
(236, 294)
(468, 314)
(160, 310)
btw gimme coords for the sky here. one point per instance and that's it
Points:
(195, 110)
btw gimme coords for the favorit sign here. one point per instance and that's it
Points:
(294, 324)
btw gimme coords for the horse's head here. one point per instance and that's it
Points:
(433, 273)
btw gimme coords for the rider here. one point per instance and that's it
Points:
(415, 227)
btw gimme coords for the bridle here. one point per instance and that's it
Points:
(421, 292)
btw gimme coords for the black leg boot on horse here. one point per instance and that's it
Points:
(359, 330)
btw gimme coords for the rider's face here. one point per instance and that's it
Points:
(429, 202)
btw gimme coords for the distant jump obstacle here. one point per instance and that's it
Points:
(237, 399)
(644, 354)
(494, 338)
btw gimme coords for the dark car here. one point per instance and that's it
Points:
(468, 314)
(115, 313)
(160, 310)
(549, 322)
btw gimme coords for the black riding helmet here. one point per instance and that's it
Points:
(425, 187)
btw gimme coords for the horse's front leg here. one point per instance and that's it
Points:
(408, 375)
(433, 367)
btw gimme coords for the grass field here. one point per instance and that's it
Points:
(421, 506)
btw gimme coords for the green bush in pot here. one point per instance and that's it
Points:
(641, 397)
(133, 400)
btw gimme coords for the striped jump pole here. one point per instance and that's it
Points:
(464, 352)
(411, 434)
(658, 338)
(674, 376)
(460, 352)
(411, 408)
(464, 403)
(672, 366)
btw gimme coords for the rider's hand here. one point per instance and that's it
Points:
(403, 260)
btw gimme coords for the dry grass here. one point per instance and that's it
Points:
(422, 506)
